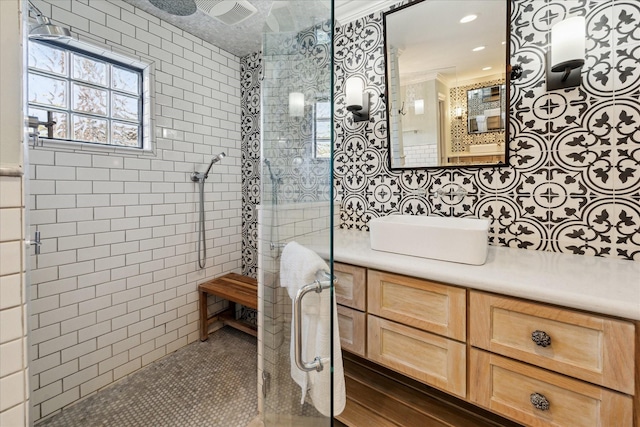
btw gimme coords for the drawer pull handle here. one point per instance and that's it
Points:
(539, 401)
(541, 338)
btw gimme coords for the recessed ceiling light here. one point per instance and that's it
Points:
(468, 18)
(486, 68)
(477, 49)
(504, 42)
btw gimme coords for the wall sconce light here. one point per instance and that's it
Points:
(296, 104)
(418, 105)
(458, 112)
(357, 99)
(565, 56)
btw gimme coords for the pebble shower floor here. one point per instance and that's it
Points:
(205, 384)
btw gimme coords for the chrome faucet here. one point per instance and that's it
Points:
(458, 192)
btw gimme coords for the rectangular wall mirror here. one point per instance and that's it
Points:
(447, 87)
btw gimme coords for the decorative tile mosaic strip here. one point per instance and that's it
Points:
(250, 77)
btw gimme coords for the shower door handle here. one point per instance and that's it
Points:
(315, 365)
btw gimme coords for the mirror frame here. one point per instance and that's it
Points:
(507, 83)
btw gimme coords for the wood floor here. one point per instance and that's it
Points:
(383, 398)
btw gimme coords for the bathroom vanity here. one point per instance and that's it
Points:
(543, 339)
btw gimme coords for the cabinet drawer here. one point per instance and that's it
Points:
(351, 287)
(430, 306)
(506, 387)
(434, 360)
(593, 348)
(352, 327)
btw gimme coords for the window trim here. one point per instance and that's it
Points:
(91, 52)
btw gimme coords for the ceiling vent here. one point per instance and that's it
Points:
(230, 12)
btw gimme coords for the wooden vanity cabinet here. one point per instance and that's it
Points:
(423, 304)
(540, 398)
(533, 363)
(418, 327)
(353, 330)
(429, 358)
(351, 296)
(590, 347)
(588, 378)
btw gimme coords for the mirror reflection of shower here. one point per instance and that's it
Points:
(276, 181)
(200, 177)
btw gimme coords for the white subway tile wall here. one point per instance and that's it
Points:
(14, 375)
(115, 286)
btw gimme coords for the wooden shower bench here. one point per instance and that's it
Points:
(236, 289)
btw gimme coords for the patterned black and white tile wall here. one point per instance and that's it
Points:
(461, 139)
(573, 184)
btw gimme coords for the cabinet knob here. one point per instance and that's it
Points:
(539, 401)
(541, 338)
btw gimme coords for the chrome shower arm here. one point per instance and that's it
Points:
(206, 174)
(38, 14)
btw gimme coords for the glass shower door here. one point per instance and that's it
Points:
(296, 206)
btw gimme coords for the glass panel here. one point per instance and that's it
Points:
(89, 70)
(89, 129)
(323, 110)
(124, 107)
(323, 148)
(295, 188)
(47, 90)
(125, 80)
(59, 129)
(89, 100)
(124, 134)
(323, 130)
(47, 58)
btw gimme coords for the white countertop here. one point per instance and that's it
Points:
(600, 285)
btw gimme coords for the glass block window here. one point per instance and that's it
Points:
(91, 99)
(322, 129)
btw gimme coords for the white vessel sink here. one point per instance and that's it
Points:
(462, 240)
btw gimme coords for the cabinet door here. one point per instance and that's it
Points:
(351, 324)
(589, 347)
(430, 306)
(513, 389)
(351, 287)
(434, 360)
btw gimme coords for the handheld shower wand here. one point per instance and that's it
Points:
(200, 178)
(197, 176)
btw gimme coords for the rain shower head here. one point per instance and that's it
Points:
(44, 29)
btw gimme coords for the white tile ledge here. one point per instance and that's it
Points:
(601, 285)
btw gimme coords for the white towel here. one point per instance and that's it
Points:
(298, 267)
(482, 123)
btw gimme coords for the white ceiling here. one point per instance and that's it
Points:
(433, 39)
(246, 37)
